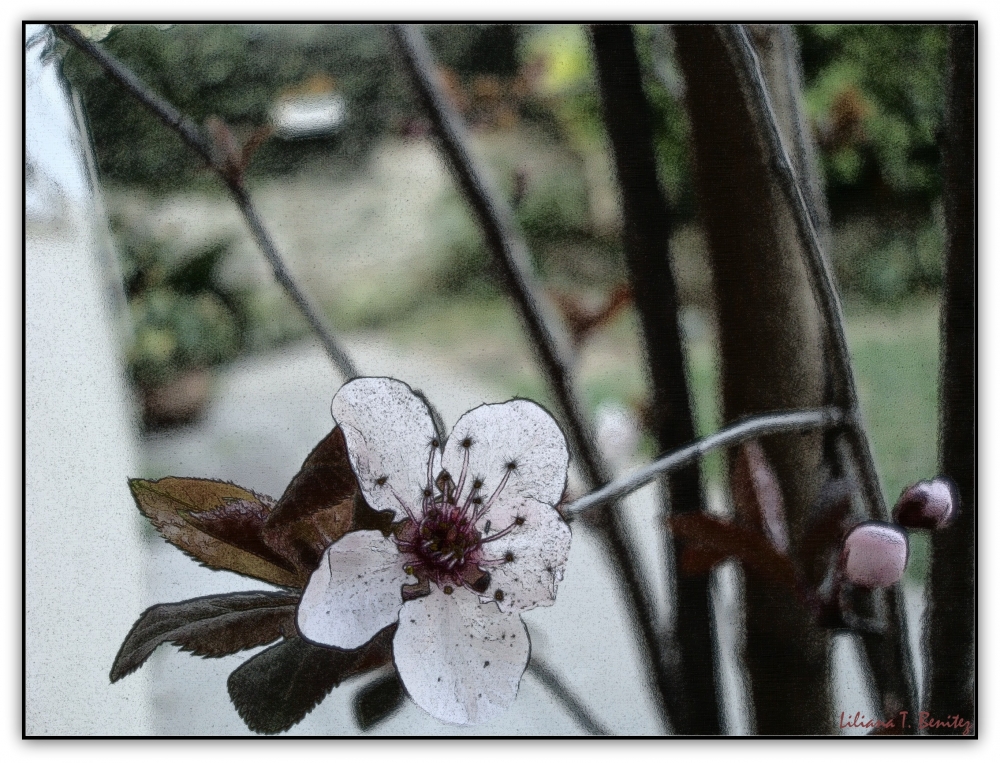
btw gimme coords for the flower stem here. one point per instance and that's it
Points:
(747, 429)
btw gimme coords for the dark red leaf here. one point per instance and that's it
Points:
(209, 626)
(274, 690)
(709, 541)
(240, 523)
(317, 507)
(183, 509)
(378, 700)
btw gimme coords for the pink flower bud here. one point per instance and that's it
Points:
(930, 504)
(874, 555)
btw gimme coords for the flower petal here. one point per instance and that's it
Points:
(533, 558)
(355, 592)
(517, 432)
(389, 434)
(460, 660)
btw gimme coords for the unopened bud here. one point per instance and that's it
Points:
(930, 504)
(874, 555)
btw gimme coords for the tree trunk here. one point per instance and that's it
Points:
(770, 344)
(952, 634)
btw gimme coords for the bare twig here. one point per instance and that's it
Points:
(646, 223)
(889, 654)
(191, 135)
(502, 236)
(749, 71)
(316, 321)
(511, 254)
(551, 681)
(749, 428)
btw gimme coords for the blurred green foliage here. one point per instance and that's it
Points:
(182, 317)
(874, 96)
(236, 72)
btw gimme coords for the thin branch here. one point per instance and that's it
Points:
(191, 135)
(646, 224)
(121, 74)
(889, 654)
(282, 275)
(551, 681)
(749, 71)
(496, 220)
(511, 254)
(747, 429)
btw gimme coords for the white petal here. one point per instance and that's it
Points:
(519, 432)
(539, 547)
(460, 660)
(355, 591)
(389, 432)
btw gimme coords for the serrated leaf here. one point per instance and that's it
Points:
(180, 508)
(709, 541)
(240, 524)
(274, 690)
(757, 493)
(209, 626)
(378, 700)
(316, 509)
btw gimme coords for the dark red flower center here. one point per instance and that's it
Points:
(442, 544)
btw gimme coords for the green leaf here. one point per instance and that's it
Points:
(187, 512)
(210, 626)
(274, 690)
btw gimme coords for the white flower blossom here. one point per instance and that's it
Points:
(477, 541)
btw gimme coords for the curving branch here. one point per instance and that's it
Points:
(511, 254)
(749, 71)
(748, 429)
(193, 137)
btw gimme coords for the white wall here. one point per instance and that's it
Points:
(83, 551)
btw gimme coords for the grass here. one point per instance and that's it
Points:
(896, 357)
(895, 354)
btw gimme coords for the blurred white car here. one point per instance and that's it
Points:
(308, 116)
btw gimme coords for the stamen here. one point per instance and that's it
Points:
(504, 531)
(486, 506)
(429, 490)
(403, 504)
(465, 469)
(473, 497)
(491, 562)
